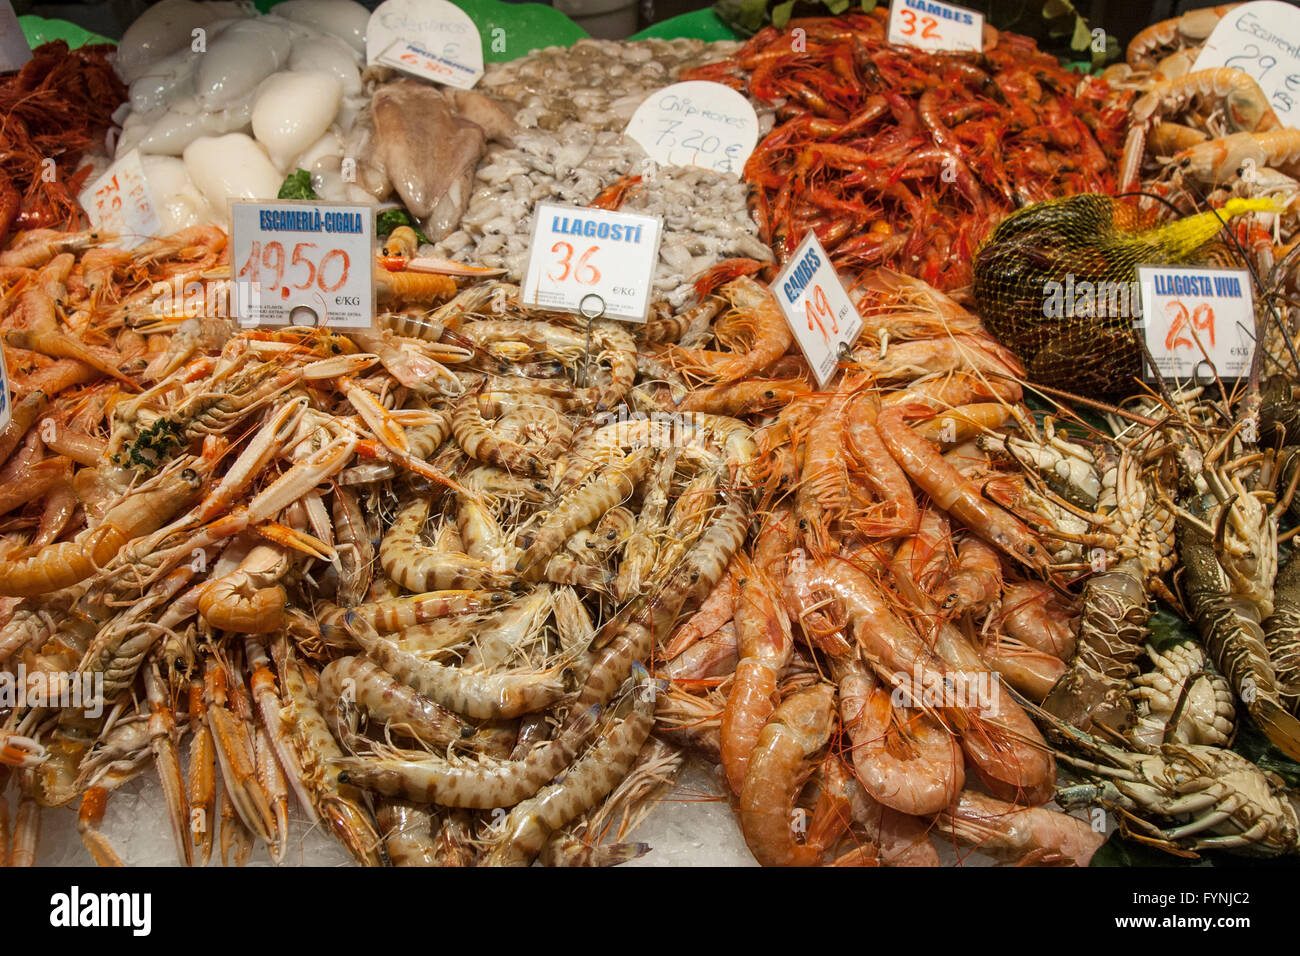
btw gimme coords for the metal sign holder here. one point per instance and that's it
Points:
(590, 316)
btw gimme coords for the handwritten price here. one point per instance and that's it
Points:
(818, 308)
(1257, 63)
(590, 277)
(672, 136)
(271, 257)
(1200, 319)
(108, 198)
(929, 26)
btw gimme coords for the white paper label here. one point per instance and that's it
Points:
(818, 309)
(14, 51)
(432, 39)
(697, 123)
(118, 202)
(1262, 39)
(317, 258)
(579, 253)
(1191, 316)
(6, 399)
(930, 25)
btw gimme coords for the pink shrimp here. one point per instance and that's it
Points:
(953, 493)
(778, 768)
(765, 646)
(905, 758)
(1029, 835)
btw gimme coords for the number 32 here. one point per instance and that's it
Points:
(929, 26)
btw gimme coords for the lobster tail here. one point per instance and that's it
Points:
(1281, 728)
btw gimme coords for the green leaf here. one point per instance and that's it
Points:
(390, 219)
(753, 13)
(868, 5)
(836, 7)
(297, 185)
(781, 13)
(1057, 8)
(1082, 39)
(1168, 629)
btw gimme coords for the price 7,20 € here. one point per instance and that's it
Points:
(673, 136)
(272, 258)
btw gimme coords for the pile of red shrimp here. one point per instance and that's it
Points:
(55, 109)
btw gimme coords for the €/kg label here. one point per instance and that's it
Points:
(931, 25)
(578, 252)
(819, 311)
(118, 202)
(303, 263)
(696, 123)
(1197, 320)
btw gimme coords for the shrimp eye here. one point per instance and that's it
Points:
(189, 474)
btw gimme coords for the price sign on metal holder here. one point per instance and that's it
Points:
(303, 263)
(578, 252)
(930, 25)
(819, 311)
(1197, 321)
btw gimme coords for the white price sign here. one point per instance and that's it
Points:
(696, 123)
(118, 202)
(432, 39)
(14, 51)
(1194, 315)
(578, 252)
(1262, 39)
(303, 263)
(930, 25)
(819, 311)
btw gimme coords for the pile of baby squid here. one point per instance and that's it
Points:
(472, 586)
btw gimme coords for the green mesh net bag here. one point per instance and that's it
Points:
(1057, 282)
